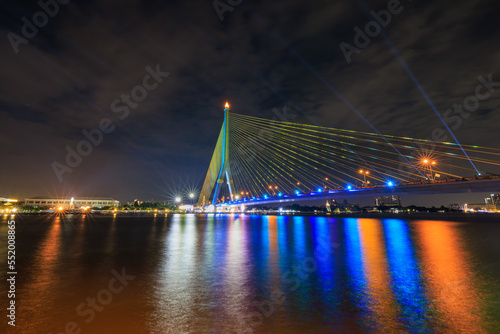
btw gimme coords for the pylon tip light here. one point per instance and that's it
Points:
(227, 105)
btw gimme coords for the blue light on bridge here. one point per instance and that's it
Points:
(349, 187)
(320, 190)
(265, 196)
(390, 184)
(296, 192)
(280, 194)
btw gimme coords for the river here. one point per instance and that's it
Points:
(252, 274)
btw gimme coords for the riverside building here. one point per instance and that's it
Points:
(71, 203)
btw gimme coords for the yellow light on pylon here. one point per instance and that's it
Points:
(227, 105)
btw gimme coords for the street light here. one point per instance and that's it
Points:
(364, 172)
(429, 164)
(178, 199)
(273, 190)
(305, 187)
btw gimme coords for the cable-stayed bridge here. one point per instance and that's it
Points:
(260, 161)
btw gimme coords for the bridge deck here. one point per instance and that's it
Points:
(452, 187)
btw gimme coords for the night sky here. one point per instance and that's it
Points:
(262, 55)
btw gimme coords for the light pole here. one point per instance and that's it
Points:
(305, 187)
(429, 164)
(365, 173)
(273, 190)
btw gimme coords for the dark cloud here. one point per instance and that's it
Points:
(263, 56)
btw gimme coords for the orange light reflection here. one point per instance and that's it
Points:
(449, 277)
(383, 302)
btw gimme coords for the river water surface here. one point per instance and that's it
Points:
(252, 274)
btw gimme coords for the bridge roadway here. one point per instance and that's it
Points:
(451, 187)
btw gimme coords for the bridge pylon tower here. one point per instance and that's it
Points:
(219, 169)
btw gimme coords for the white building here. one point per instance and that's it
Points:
(7, 200)
(72, 203)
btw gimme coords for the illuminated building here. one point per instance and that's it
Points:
(7, 200)
(334, 206)
(479, 207)
(392, 200)
(494, 200)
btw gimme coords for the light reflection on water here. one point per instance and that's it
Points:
(381, 301)
(258, 274)
(405, 276)
(449, 278)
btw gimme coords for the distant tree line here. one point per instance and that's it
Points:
(135, 206)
